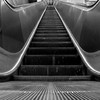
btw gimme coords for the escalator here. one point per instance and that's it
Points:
(51, 55)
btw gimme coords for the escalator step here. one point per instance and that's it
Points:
(51, 35)
(50, 32)
(54, 39)
(51, 69)
(51, 60)
(51, 26)
(53, 31)
(51, 50)
(51, 44)
(52, 78)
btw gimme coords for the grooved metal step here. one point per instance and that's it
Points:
(51, 44)
(52, 59)
(59, 26)
(51, 50)
(52, 78)
(51, 35)
(52, 31)
(52, 70)
(50, 39)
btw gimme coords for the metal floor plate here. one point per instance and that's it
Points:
(50, 91)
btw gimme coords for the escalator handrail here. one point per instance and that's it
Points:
(14, 6)
(24, 49)
(18, 8)
(9, 4)
(84, 8)
(79, 49)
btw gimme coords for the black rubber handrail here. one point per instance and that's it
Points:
(8, 3)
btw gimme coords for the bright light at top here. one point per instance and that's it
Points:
(2, 3)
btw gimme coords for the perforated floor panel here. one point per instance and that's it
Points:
(50, 91)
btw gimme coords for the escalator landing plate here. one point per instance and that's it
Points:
(50, 90)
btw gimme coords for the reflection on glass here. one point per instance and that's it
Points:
(81, 2)
(90, 2)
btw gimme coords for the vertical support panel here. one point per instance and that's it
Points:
(12, 39)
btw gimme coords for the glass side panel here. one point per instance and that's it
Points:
(16, 26)
(82, 2)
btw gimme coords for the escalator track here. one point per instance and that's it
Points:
(51, 55)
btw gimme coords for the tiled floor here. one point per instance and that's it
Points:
(50, 91)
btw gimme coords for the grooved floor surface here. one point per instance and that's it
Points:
(50, 91)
